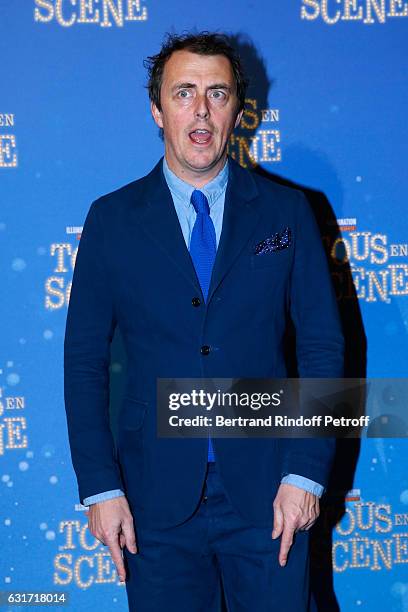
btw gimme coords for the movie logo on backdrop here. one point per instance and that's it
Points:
(105, 13)
(370, 535)
(13, 423)
(332, 12)
(261, 147)
(82, 560)
(376, 266)
(8, 146)
(58, 285)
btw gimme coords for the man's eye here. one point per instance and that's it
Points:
(217, 94)
(183, 93)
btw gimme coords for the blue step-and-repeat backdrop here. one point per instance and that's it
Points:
(326, 111)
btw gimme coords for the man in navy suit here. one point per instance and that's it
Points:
(201, 263)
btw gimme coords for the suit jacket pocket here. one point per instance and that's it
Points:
(133, 413)
(275, 259)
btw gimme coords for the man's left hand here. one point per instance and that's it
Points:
(294, 509)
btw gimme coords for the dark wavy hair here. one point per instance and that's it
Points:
(202, 43)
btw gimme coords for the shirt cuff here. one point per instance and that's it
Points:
(100, 497)
(304, 483)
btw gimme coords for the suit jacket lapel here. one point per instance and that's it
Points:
(240, 218)
(159, 220)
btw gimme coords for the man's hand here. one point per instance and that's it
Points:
(111, 522)
(294, 509)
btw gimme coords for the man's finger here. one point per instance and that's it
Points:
(277, 523)
(313, 516)
(129, 533)
(286, 543)
(309, 524)
(116, 554)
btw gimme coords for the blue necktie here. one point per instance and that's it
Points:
(203, 248)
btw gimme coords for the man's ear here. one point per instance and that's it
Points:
(238, 119)
(156, 114)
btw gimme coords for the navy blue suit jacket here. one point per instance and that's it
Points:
(133, 270)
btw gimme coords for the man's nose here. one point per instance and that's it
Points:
(201, 109)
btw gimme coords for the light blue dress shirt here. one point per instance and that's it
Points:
(215, 193)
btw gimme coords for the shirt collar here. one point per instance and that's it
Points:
(183, 190)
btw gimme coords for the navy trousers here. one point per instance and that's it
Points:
(186, 567)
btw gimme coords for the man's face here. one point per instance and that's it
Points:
(199, 112)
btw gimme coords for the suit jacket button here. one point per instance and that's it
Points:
(196, 301)
(205, 350)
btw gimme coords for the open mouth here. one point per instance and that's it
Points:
(200, 137)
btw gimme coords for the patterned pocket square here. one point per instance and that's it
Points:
(277, 242)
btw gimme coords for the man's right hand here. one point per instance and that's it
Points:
(111, 522)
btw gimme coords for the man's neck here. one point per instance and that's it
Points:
(197, 179)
